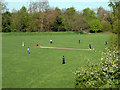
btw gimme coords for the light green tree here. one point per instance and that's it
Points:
(116, 26)
(20, 20)
(96, 25)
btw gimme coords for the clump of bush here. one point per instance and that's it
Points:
(95, 26)
(102, 75)
(116, 26)
(114, 41)
(106, 26)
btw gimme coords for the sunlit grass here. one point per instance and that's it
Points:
(43, 67)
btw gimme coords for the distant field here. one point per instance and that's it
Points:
(43, 67)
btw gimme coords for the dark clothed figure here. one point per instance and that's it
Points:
(89, 46)
(63, 60)
(79, 41)
(106, 42)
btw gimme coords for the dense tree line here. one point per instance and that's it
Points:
(40, 17)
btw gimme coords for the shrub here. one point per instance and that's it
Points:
(95, 25)
(114, 40)
(106, 26)
(116, 26)
(105, 74)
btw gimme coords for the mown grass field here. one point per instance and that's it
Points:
(43, 67)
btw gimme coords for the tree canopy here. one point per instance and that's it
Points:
(40, 17)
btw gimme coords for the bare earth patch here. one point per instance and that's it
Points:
(64, 48)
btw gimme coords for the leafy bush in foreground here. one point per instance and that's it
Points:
(102, 75)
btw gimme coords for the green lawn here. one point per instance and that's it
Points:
(43, 67)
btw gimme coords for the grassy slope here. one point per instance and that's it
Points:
(43, 68)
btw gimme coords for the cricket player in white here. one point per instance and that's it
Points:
(23, 44)
(28, 50)
(50, 41)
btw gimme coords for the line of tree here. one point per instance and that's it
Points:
(40, 17)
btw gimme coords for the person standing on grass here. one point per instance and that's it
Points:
(89, 46)
(50, 41)
(37, 45)
(23, 44)
(63, 60)
(28, 50)
(106, 42)
(79, 41)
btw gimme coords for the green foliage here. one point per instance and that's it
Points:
(105, 73)
(116, 16)
(61, 24)
(114, 6)
(6, 22)
(58, 11)
(114, 40)
(115, 26)
(89, 13)
(96, 25)
(70, 11)
(70, 18)
(31, 24)
(41, 18)
(110, 19)
(106, 26)
(20, 20)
